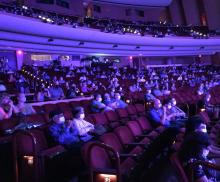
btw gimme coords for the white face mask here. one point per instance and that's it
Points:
(99, 99)
(174, 103)
(205, 152)
(62, 119)
(82, 116)
(169, 106)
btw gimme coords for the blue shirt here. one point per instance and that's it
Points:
(155, 115)
(120, 104)
(149, 97)
(63, 135)
(56, 93)
(97, 106)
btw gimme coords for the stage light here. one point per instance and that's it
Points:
(19, 52)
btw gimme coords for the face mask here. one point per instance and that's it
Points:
(174, 103)
(62, 119)
(169, 106)
(99, 99)
(118, 97)
(205, 152)
(82, 116)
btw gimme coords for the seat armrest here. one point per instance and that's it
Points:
(52, 152)
(128, 155)
(5, 139)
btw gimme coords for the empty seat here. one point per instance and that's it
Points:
(104, 163)
(112, 118)
(100, 118)
(31, 152)
(123, 114)
(132, 111)
(140, 109)
(50, 107)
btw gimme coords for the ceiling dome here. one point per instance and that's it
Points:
(138, 2)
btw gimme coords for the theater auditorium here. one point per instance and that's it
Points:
(109, 91)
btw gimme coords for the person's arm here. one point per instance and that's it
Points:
(203, 179)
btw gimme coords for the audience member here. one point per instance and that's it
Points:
(56, 92)
(22, 107)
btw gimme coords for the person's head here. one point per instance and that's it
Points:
(4, 100)
(107, 96)
(195, 124)
(57, 117)
(196, 145)
(207, 97)
(157, 104)
(98, 97)
(167, 103)
(56, 83)
(173, 101)
(21, 98)
(117, 96)
(148, 91)
(78, 113)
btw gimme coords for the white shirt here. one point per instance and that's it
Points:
(82, 126)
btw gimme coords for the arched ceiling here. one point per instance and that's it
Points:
(137, 2)
(29, 34)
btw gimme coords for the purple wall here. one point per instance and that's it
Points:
(212, 9)
(191, 12)
(11, 56)
(175, 13)
(75, 7)
(118, 12)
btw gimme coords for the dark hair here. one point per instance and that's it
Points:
(54, 113)
(193, 123)
(167, 101)
(193, 145)
(76, 111)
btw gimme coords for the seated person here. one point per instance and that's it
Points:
(195, 124)
(118, 102)
(56, 92)
(157, 92)
(42, 93)
(108, 101)
(149, 96)
(160, 115)
(61, 131)
(174, 109)
(97, 105)
(196, 147)
(157, 114)
(23, 107)
(83, 128)
(71, 91)
(6, 107)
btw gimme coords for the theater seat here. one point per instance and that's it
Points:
(112, 140)
(140, 109)
(176, 163)
(113, 119)
(132, 112)
(32, 155)
(123, 114)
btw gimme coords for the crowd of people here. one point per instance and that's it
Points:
(109, 87)
(156, 29)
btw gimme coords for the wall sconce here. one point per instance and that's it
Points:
(81, 94)
(29, 159)
(202, 110)
(128, 101)
(107, 178)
